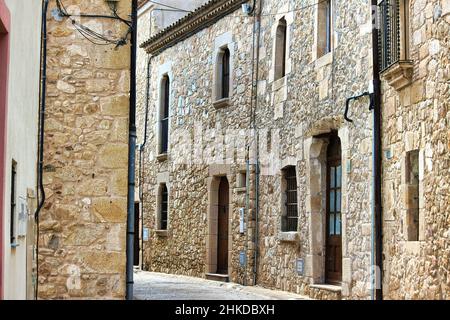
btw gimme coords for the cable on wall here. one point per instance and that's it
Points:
(92, 36)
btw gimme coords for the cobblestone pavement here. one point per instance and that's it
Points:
(160, 286)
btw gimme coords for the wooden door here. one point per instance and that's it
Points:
(222, 232)
(333, 264)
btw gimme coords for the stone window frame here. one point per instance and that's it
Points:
(216, 172)
(326, 57)
(280, 49)
(164, 71)
(162, 179)
(279, 87)
(221, 43)
(409, 191)
(288, 16)
(287, 236)
(315, 149)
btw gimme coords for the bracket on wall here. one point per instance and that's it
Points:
(347, 103)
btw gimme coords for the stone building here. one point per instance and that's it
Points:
(304, 73)
(416, 163)
(252, 175)
(82, 225)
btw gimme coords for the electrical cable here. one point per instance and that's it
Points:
(91, 35)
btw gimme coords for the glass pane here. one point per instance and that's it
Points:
(338, 176)
(332, 207)
(338, 223)
(332, 179)
(331, 224)
(338, 200)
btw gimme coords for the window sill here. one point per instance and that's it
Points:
(324, 60)
(289, 236)
(241, 189)
(162, 157)
(161, 233)
(399, 75)
(222, 103)
(279, 83)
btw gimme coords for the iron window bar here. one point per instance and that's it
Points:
(389, 35)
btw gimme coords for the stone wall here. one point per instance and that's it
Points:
(417, 117)
(307, 102)
(82, 226)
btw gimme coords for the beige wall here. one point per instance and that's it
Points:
(23, 107)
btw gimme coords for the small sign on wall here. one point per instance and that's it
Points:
(300, 267)
(145, 234)
(242, 258)
(22, 218)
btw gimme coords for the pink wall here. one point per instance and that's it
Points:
(4, 63)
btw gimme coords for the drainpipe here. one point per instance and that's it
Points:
(43, 92)
(254, 104)
(131, 157)
(377, 208)
(141, 155)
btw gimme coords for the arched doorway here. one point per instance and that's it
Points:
(333, 261)
(222, 227)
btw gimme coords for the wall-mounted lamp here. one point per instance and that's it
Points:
(246, 8)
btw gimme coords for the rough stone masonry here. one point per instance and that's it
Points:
(292, 114)
(82, 227)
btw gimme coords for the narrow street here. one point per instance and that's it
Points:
(160, 286)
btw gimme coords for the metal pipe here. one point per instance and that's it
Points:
(255, 74)
(377, 205)
(43, 92)
(141, 155)
(131, 157)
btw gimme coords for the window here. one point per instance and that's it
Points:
(290, 217)
(222, 77)
(394, 32)
(163, 208)
(280, 49)
(13, 202)
(164, 115)
(225, 89)
(412, 189)
(324, 28)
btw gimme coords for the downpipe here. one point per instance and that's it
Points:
(376, 254)
(377, 162)
(43, 92)
(131, 158)
(141, 156)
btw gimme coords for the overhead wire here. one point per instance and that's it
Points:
(91, 35)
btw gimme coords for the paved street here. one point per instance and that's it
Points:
(159, 286)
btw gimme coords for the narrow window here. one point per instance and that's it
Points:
(324, 28)
(412, 180)
(394, 35)
(163, 208)
(280, 49)
(225, 81)
(164, 122)
(290, 217)
(13, 202)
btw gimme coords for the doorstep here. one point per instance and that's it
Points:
(217, 277)
(325, 292)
